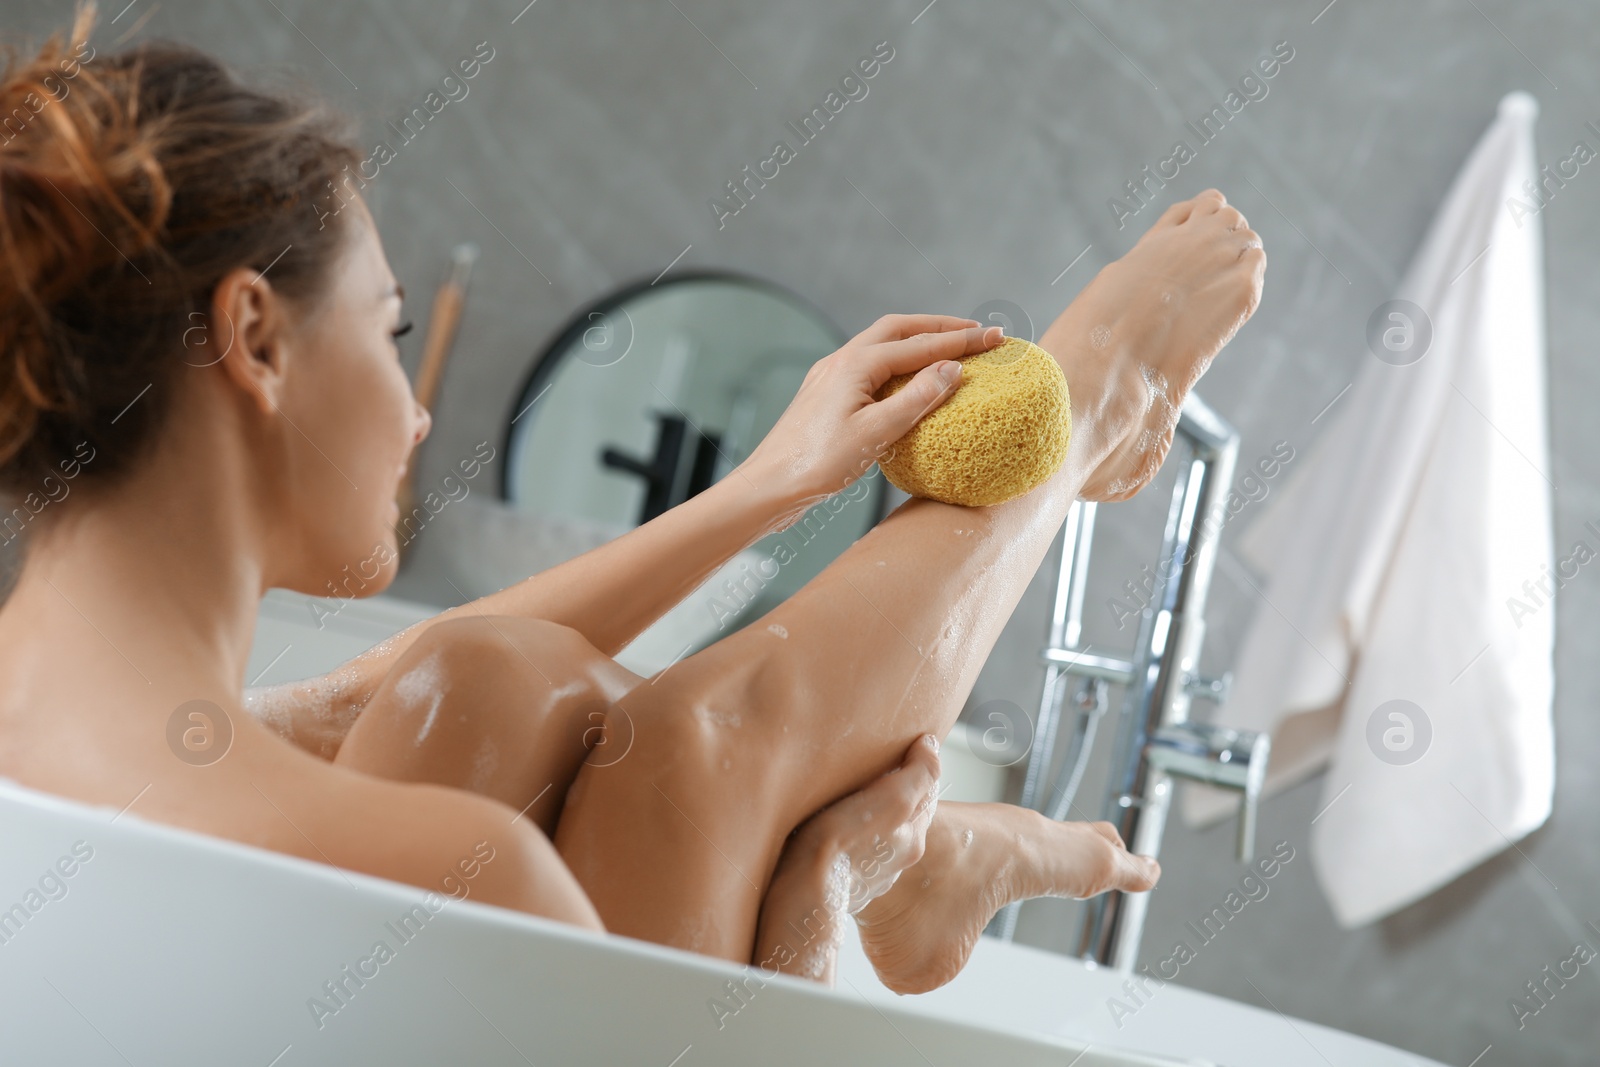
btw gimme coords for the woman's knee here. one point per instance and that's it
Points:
(474, 685)
(469, 647)
(497, 651)
(454, 671)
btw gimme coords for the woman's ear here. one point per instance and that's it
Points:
(246, 338)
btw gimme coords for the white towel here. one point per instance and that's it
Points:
(1398, 561)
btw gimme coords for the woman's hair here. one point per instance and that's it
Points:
(130, 184)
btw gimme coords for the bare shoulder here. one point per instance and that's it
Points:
(455, 843)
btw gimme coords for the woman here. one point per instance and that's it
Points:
(210, 358)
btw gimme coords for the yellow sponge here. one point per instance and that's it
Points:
(1003, 432)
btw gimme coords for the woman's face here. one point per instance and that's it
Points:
(354, 424)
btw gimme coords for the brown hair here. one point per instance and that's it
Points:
(130, 184)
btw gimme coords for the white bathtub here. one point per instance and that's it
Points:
(127, 942)
(171, 948)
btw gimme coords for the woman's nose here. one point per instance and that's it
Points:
(424, 424)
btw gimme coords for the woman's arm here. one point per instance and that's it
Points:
(828, 437)
(613, 593)
(609, 594)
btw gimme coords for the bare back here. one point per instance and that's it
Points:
(69, 733)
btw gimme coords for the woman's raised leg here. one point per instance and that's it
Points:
(736, 745)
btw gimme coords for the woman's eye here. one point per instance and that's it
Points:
(401, 332)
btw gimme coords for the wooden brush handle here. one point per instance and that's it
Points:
(445, 316)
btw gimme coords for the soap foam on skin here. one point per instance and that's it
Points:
(424, 682)
(484, 763)
(723, 718)
(333, 702)
(814, 955)
(1157, 387)
(694, 931)
(1146, 447)
(280, 718)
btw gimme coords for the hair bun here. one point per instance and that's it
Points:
(130, 184)
(54, 179)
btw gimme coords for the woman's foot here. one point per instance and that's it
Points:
(1138, 337)
(977, 859)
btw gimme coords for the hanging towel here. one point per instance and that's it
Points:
(1404, 632)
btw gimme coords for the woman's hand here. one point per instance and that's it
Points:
(829, 436)
(833, 431)
(840, 860)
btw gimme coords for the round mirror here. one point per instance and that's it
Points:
(652, 394)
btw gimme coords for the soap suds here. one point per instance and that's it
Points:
(721, 718)
(1157, 386)
(966, 837)
(814, 955)
(693, 931)
(484, 763)
(433, 714)
(1099, 337)
(415, 684)
(775, 628)
(424, 682)
(277, 716)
